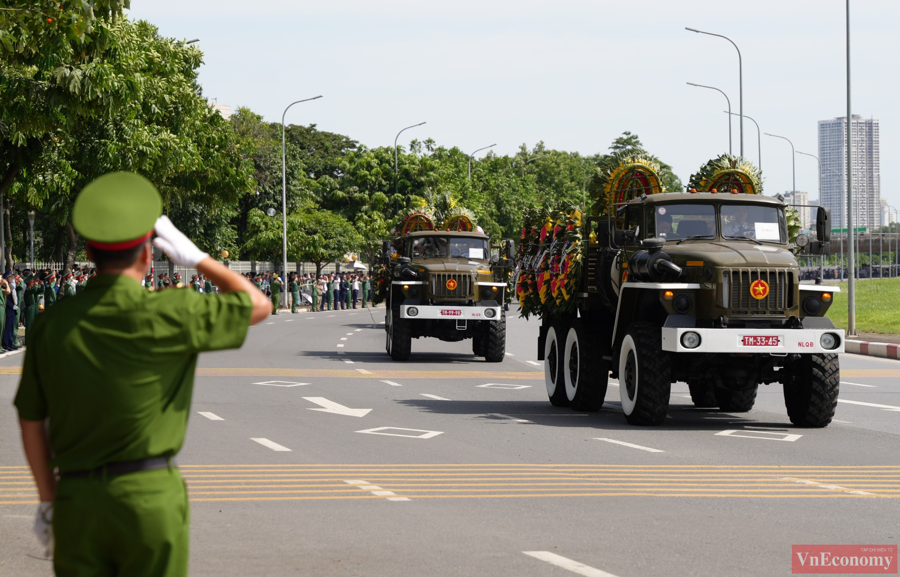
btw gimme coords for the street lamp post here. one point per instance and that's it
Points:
(284, 196)
(396, 178)
(31, 216)
(729, 109)
(838, 174)
(851, 280)
(473, 154)
(793, 162)
(740, 78)
(524, 164)
(758, 138)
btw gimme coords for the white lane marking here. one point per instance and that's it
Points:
(503, 386)
(435, 397)
(336, 408)
(875, 405)
(364, 371)
(348, 361)
(351, 314)
(343, 338)
(502, 416)
(380, 431)
(844, 422)
(510, 355)
(632, 445)
(757, 435)
(270, 323)
(289, 321)
(270, 444)
(340, 345)
(858, 385)
(377, 491)
(210, 416)
(349, 334)
(356, 331)
(568, 564)
(392, 383)
(824, 486)
(535, 363)
(329, 316)
(281, 384)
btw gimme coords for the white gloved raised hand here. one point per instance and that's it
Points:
(43, 524)
(176, 245)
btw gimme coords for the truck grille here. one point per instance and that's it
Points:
(736, 286)
(439, 285)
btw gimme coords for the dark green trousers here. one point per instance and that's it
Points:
(134, 525)
(295, 301)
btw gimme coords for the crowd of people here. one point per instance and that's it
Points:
(336, 291)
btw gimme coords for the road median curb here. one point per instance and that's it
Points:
(884, 350)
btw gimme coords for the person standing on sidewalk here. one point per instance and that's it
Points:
(295, 293)
(106, 389)
(275, 288)
(10, 339)
(354, 289)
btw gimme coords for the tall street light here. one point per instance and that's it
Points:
(396, 176)
(729, 109)
(758, 138)
(31, 216)
(821, 271)
(524, 164)
(473, 154)
(740, 78)
(851, 280)
(284, 199)
(793, 162)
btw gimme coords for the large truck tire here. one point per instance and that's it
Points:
(586, 374)
(554, 377)
(736, 401)
(702, 394)
(811, 390)
(645, 375)
(478, 344)
(399, 336)
(495, 340)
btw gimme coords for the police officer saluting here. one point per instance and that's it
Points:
(111, 497)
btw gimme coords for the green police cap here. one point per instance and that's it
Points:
(117, 211)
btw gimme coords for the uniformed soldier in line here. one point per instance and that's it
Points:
(365, 291)
(148, 282)
(20, 298)
(177, 280)
(295, 293)
(195, 283)
(208, 287)
(31, 300)
(106, 389)
(49, 290)
(161, 281)
(275, 288)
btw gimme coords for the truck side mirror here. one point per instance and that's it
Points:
(510, 249)
(386, 252)
(823, 224)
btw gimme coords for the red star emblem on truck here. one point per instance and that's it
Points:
(759, 289)
(451, 285)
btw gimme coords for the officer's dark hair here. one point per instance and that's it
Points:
(105, 259)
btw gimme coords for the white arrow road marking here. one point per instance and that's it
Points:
(759, 435)
(281, 384)
(503, 386)
(380, 431)
(211, 416)
(624, 444)
(823, 486)
(364, 371)
(858, 385)
(270, 444)
(502, 416)
(375, 490)
(568, 564)
(435, 397)
(392, 383)
(876, 405)
(335, 408)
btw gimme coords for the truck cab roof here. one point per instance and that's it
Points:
(423, 233)
(706, 198)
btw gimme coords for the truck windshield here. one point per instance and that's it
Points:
(761, 223)
(680, 221)
(454, 247)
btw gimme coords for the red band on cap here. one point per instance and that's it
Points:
(119, 245)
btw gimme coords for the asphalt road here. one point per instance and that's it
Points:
(310, 452)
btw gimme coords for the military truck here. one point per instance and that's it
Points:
(701, 287)
(444, 280)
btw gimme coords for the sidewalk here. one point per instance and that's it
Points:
(872, 349)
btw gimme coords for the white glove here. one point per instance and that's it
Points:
(43, 524)
(178, 247)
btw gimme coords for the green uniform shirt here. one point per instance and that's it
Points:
(114, 369)
(208, 288)
(49, 296)
(295, 288)
(70, 290)
(275, 287)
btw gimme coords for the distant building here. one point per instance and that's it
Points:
(885, 212)
(223, 109)
(799, 197)
(866, 170)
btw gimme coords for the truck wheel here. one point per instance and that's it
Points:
(735, 401)
(553, 363)
(586, 374)
(495, 340)
(811, 393)
(478, 344)
(645, 375)
(399, 340)
(702, 394)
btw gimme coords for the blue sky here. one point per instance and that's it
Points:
(573, 74)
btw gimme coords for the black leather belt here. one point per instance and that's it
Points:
(121, 468)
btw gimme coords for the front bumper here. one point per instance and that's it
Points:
(805, 341)
(451, 312)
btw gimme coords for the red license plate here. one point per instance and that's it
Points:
(760, 341)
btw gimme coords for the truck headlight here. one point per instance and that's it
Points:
(412, 311)
(490, 313)
(829, 341)
(812, 305)
(682, 304)
(690, 340)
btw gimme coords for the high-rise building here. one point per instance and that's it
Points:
(885, 212)
(801, 198)
(866, 170)
(223, 109)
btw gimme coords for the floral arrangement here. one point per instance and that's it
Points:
(727, 173)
